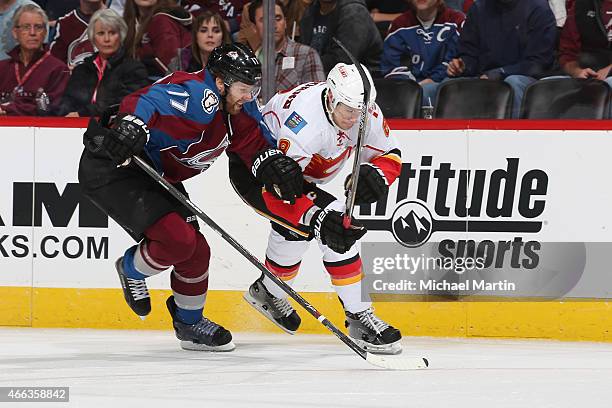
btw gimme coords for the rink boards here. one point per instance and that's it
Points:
(57, 250)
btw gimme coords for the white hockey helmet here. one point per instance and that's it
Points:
(344, 85)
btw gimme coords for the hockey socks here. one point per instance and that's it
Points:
(346, 276)
(189, 316)
(129, 269)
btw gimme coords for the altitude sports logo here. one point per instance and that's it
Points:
(434, 199)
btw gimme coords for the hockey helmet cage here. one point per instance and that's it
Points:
(235, 63)
(344, 85)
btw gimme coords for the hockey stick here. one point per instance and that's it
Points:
(377, 360)
(363, 124)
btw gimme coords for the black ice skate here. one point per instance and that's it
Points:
(278, 310)
(134, 291)
(205, 335)
(373, 334)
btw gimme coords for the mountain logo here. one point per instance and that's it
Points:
(412, 224)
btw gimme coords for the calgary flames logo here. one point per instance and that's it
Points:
(284, 145)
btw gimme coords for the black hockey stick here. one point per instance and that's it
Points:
(363, 124)
(377, 360)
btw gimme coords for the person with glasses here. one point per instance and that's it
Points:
(32, 80)
(7, 11)
(180, 125)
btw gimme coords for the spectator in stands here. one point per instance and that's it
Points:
(70, 43)
(510, 40)
(230, 10)
(208, 33)
(420, 43)
(7, 11)
(295, 63)
(585, 46)
(31, 80)
(57, 8)
(350, 22)
(294, 12)
(117, 5)
(459, 5)
(104, 78)
(157, 30)
(383, 12)
(559, 10)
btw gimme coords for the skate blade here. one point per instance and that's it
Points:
(390, 349)
(191, 346)
(249, 299)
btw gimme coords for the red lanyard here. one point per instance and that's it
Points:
(100, 65)
(20, 80)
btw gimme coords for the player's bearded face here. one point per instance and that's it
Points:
(345, 117)
(238, 94)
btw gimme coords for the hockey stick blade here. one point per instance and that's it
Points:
(391, 363)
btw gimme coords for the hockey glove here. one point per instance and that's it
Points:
(280, 174)
(371, 187)
(328, 229)
(127, 138)
(120, 143)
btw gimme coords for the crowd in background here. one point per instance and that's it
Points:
(77, 57)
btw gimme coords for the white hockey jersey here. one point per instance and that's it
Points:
(297, 119)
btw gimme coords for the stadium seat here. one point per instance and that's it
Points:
(400, 99)
(472, 98)
(566, 98)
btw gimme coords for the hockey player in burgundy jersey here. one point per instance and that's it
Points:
(316, 125)
(180, 125)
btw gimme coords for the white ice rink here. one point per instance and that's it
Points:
(145, 369)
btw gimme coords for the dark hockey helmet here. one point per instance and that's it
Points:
(235, 63)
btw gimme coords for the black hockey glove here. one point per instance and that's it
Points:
(371, 186)
(280, 174)
(120, 143)
(128, 138)
(328, 229)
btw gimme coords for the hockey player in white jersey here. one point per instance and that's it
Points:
(316, 124)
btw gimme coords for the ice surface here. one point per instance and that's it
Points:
(144, 369)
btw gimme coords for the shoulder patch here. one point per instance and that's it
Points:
(209, 101)
(386, 127)
(295, 122)
(284, 145)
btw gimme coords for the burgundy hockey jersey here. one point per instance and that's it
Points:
(71, 43)
(167, 32)
(19, 85)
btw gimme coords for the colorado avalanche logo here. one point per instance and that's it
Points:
(209, 101)
(203, 160)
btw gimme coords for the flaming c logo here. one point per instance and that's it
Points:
(284, 145)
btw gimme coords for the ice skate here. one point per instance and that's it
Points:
(205, 335)
(278, 310)
(373, 334)
(135, 292)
